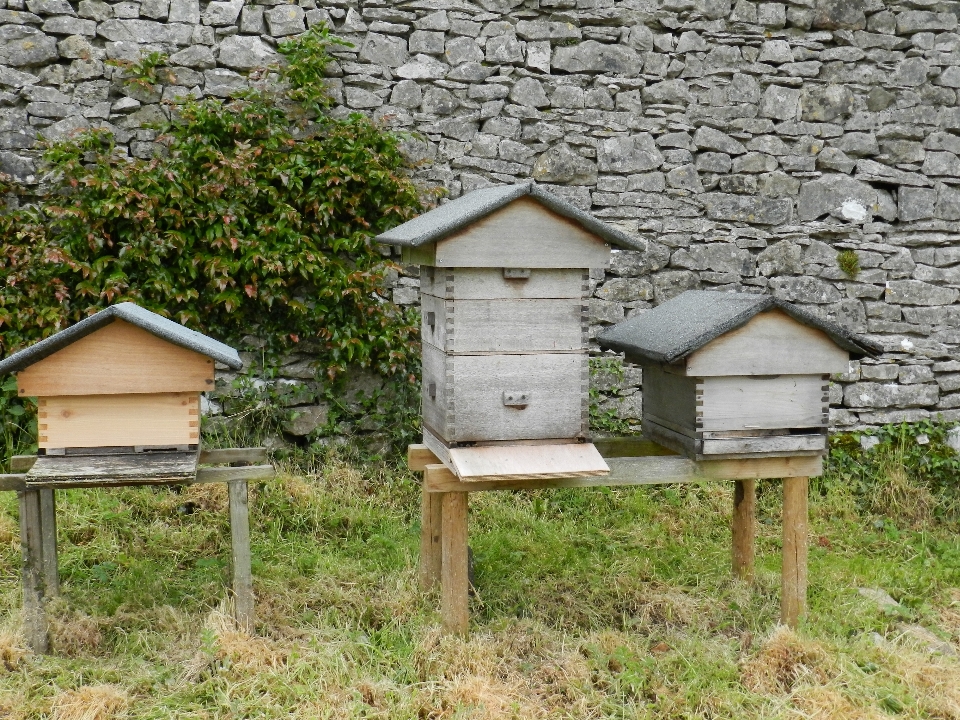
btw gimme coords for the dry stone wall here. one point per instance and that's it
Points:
(746, 144)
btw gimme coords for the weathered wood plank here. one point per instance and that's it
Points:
(793, 599)
(419, 456)
(431, 552)
(48, 537)
(240, 550)
(503, 326)
(117, 359)
(527, 462)
(455, 585)
(13, 481)
(668, 437)
(230, 474)
(74, 421)
(476, 384)
(222, 456)
(490, 284)
(31, 546)
(744, 528)
(786, 401)
(94, 470)
(670, 399)
(772, 444)
(772, 343)
(22, 463)
(524, 234)
(654, 470)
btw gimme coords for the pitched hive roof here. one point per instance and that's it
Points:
(686, 323)
(454, 216)
(135, 315)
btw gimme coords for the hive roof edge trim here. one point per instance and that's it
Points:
(717, 313)
(155, 324)
(444, 220)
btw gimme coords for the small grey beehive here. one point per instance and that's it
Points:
(504, 278)
(728, 375)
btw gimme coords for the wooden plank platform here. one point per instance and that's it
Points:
(527, 462)
(98, 470)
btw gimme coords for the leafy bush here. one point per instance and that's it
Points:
(906, 471)
(255, 219)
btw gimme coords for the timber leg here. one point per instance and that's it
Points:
(31, 545)
(431, 557)
(240, 543)
(793, 601)
(48, 534)
(454, 605)
(744, 528)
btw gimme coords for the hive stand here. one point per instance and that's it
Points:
(632, 461)
(38, 530)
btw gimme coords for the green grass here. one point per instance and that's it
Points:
(603, 603)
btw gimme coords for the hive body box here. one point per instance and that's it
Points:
(735, 376)
(504, 275)
(122, 381)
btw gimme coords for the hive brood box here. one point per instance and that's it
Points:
(504, 276)
(728, 375)
(122, 380)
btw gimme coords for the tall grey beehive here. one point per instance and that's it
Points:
(504, 278)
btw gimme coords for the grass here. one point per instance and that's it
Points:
(604, 603)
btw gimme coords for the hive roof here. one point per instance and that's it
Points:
(456, 215)
(135, 315)
(687, 322)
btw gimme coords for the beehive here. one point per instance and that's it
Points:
(728, 375)
(504, 276)
(124, 379)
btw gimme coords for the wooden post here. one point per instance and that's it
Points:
(793, 601)
(431, 554)
(744, 528)
(454, 603)
(240, 543)
(48, 537)
(31, 546)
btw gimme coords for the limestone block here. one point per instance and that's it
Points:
(283, 20)
(591, 56)
(25, 46)
(245, 52)
(560, 164)
(635, 153)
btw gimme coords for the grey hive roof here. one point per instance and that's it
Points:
(135, 315)
(453, 216)
(686, 323)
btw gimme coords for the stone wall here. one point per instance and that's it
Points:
(746, 144)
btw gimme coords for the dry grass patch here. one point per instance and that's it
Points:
(827, 704)
(93, 702)
(73, 633)
(933, 681)
(12, 650)
(898, 497)
(243, 651)
(784, 662)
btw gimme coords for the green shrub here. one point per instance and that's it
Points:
(256, 219)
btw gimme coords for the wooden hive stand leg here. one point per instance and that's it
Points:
(31, 545)
(240, 543)
(48, 533)
(454, 602)
(431, 558)
(744, 528)
(793, 601)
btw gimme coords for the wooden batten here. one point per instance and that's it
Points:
(489, 283)
(524, 234)
(118, 359)
(772, 343)
(78, 421)
(504, 326)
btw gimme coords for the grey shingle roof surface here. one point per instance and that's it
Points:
(135, 315)
(686, 323)
(455, 215)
